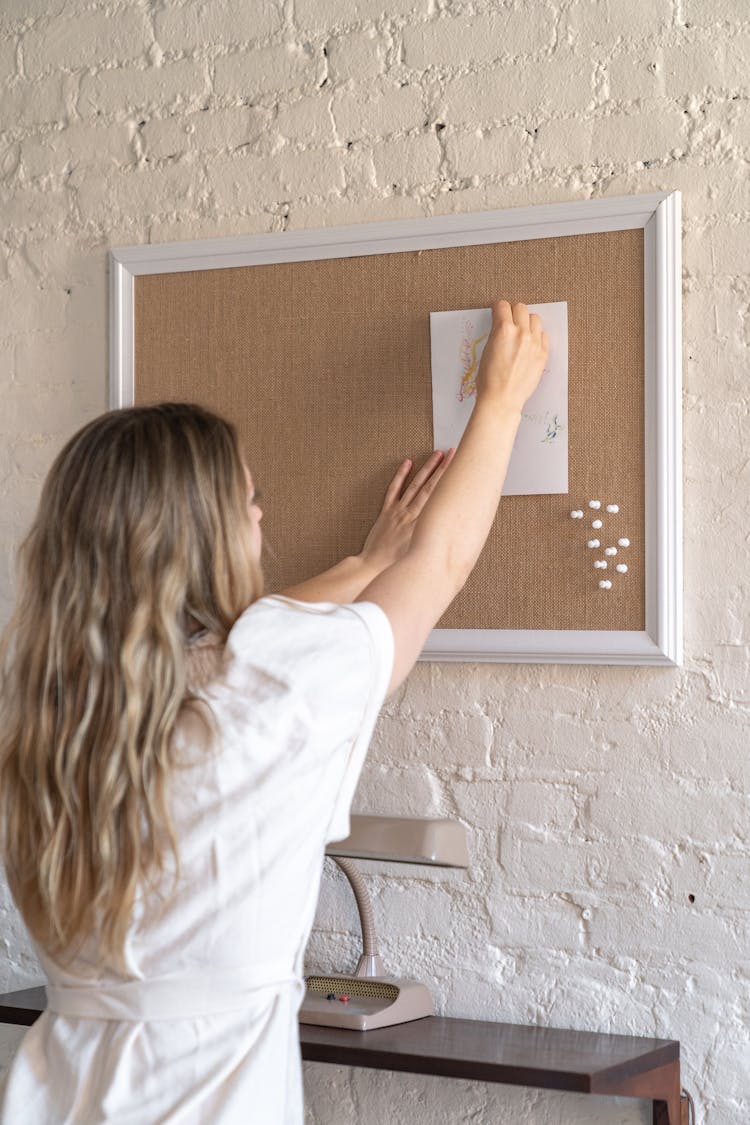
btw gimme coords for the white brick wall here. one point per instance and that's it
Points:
(597, 800)
(191, 27)
(358, 55)
(84, 41)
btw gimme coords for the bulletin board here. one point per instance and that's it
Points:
(323, 365)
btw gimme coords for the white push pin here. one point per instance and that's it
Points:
(613, 508)
(610, 550)
(577, 515)
(623, 542)
(621, 568)
(596, 524)
(593, 543)
(605, 584)
(595, 503)
(600, 564)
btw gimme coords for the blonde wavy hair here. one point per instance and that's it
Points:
(142, 538)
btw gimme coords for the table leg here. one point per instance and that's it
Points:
(662, 1086)
(666, 1112)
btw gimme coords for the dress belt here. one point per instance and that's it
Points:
(204, 992)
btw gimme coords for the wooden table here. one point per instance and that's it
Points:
(583, 1062)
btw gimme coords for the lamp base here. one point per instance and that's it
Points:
(373, 1002)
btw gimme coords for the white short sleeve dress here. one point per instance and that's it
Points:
(203, 1029)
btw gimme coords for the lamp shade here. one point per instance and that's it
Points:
(404, 839)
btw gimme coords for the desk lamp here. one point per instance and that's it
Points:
(375, 999)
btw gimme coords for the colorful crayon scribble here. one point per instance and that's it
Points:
(469, 361)
(550, 426)
(553, 429)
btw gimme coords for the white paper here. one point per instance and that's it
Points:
(539, 462)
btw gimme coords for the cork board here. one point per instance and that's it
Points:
(324, 367)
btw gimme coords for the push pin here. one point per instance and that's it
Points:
(610, 550)
(596, 524)
(621, 567)
(577, 515)
(331, 996)
(613, 508)
(623, 542)
(595, 504)
(344, 999)
(593, 543)
(600, 564)
(605, 584)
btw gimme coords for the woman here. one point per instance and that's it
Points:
(176, 750)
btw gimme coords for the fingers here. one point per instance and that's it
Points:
(502, 312)
(518, 314)
(415, 496)
(521, 315)
(394, 488)
(422, 476)
(430, 485)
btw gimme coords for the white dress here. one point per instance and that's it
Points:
(204, 1030)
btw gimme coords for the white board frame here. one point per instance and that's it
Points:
(659, 215)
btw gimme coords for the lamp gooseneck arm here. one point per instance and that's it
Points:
(370, 963)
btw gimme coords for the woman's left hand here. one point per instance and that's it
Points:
(390, 535)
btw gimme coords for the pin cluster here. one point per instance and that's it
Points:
(594, 544)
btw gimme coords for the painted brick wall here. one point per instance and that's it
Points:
(607, 808)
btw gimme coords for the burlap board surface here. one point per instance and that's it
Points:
(324, 366)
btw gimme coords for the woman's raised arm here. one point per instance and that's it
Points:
(417, 589)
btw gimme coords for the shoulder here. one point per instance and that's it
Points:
(279, 623)
(313, 641)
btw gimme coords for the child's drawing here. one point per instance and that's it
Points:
(553, 429)
(469, 361)
(549, 423)
(539, 462)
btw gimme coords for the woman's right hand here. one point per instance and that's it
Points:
(514, 356)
